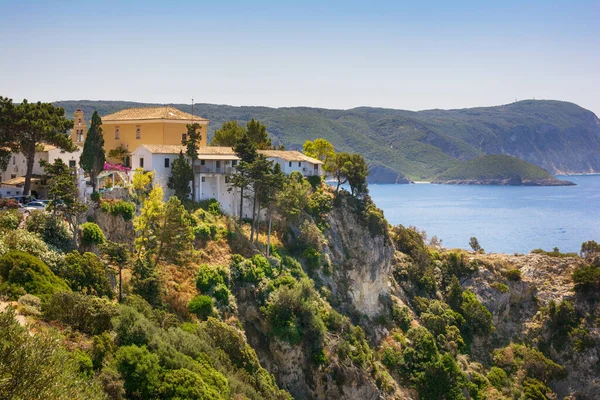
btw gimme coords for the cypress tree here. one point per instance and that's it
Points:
(92, 158)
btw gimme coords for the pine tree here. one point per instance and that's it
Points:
(93, 157)
(228, 135)
(175, 237)
(25, 126)
(181, 175)
(257, 133)
(246, 151)
(192, 144)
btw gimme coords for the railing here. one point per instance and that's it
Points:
(207, 169)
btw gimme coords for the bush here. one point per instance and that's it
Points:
(513, 275)
(587, 279)
(91, 234)
(125, 209)
(501, 287)
(30, 305)
(52, 230)
(95, 196)
(201, 306)
(208, 277)
(87, 273)
(401, 317)
(31, 273)
(9, 220)
(589, 248)
(8, 204)
(185, 384)
(102, 348)
(140, 370)
(87, 314)
(212, 206)
(31, 243)
(497, 378)
(34, 366)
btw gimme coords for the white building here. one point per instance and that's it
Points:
(213, 168)
(14, 175)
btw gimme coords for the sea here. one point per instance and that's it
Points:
(504, 219)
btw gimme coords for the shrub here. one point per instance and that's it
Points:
(208, 277)
(91, 234)
(133, 328)
(9, 220)
(501, 287)
(401, 317)
(87, 273)
(31, 273)
(201, 306)
(513, 275)
(201, 231)
(497, 378)
(8, 204)
(125, 209)
(52, 230)
(95, 196)
(586, 279)
(212, 206)
(87, 314)
(102, 347)
(478, 318)
(31, 243)
(589, 248)
(34, 366)
(580, 337)
(185, 384)
(30, 305)
(140, 370)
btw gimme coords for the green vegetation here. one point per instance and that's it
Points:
(495, 166)
(92, 157)
(554, 253)
(121, 208)
(181, 176)
(91, 234)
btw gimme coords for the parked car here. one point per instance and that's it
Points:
(23, 210)
(22, 199)
(35, 205)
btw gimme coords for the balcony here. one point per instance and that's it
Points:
(208, 169)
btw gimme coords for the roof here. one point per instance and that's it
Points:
(289, 155)
(18, 181)
(136, 114)
(227, 153)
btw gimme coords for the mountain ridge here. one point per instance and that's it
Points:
(558, 136)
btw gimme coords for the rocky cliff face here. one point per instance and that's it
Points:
(518, 314)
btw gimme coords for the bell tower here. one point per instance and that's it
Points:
(79, 128)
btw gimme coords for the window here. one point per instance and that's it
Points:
(218, 164)
(234, 163)
(141, 162)
(290, 163)
(202, 162)
(79, 121)
(117, 133)
(299, 163)
(13, 176)
(183, 137)
(203, 179)
(167, 161)
(138, 132)
(71, 163)
(14, 160)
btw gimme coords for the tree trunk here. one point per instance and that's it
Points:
(193, 182)
(30, 161)
(120, 284)
(269, 235)
(253, 218)
(241, 204)
(257, 229)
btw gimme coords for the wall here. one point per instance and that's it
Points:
(151, 133)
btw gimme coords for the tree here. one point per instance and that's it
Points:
(87, 273)
(589, 248)
(116, 254)
(356, 170)
(228, 135)
(474, 243)
(336, 167)
(28, 125)
(142, 185)
(320, 149)
(92, 158)
(7, 131)
(118, 154)
(275, 186)
(293, 197)
(62, 190)
(147, 224)
(259, 173)
(181, 176)
(257, 133)
(246, 151)
(192, 144)
(175, 236)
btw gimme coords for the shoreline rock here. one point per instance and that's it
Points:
(505, 182)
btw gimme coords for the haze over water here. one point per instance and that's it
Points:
(505, 219)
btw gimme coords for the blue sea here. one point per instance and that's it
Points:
(505, 219)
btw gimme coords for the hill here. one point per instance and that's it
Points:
(558, 136)
(499, 169)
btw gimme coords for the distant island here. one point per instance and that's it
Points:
(499, 169)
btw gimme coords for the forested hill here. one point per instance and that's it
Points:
(558, 136)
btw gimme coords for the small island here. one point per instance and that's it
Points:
(498, 169)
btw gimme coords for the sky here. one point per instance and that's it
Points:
(334, 54)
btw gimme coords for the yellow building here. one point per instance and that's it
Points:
(132, 127)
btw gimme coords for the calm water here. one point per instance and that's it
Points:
(505, 219)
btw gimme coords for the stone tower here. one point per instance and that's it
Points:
(79, 128)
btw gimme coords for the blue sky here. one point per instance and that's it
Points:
(335, 54)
